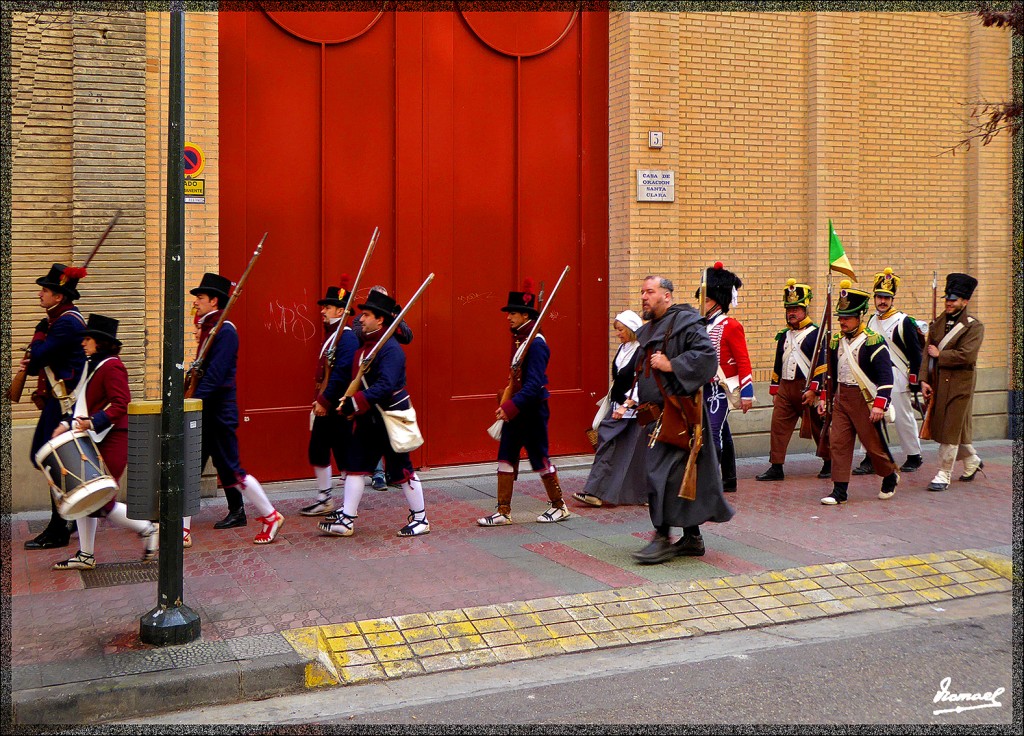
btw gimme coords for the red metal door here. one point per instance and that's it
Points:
(477, 142)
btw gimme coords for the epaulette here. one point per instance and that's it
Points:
(874, 338)
(834, 342)
(781, 333)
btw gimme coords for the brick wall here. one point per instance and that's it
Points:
(776, 122)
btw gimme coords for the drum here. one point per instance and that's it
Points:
(78, 478)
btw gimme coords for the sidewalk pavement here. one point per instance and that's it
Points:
(310, 610)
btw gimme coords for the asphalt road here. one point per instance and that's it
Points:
(875, 667)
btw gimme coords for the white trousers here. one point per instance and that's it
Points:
(906, 423)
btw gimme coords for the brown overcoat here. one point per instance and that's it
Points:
(954, 384)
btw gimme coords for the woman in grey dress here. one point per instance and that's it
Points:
(618, 475)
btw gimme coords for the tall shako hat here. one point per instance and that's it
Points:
(886, 283)
(101, 327)
(721, 286)
(960, 286)
(63, 280)
(796, 295)
(852, 302)
(523, 301)
(214, 284)
(337, 296)
(381, 305)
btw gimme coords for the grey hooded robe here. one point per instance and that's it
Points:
(694, 363)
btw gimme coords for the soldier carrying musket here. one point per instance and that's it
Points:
(524, 412)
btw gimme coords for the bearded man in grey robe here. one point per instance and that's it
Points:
(675, 344)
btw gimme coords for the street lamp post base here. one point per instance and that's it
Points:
(164, 626)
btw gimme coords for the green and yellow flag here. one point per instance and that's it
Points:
(837, 260)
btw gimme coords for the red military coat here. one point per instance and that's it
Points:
(107, 396)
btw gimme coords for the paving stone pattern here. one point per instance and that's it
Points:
(245, 592)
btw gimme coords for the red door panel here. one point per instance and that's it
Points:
(477, 144)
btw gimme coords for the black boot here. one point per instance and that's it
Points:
(865, 467)
(690, 545)
(837, 496)
(775, 472)
(889, 483)
(658, 551)
(233, 519)
(56, 534)
(826, 469)
(913, 463)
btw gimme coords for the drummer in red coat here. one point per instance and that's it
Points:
(101, 409)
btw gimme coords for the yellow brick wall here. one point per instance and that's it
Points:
(202, 231)
(776, 122)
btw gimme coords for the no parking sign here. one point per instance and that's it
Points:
(195, 162)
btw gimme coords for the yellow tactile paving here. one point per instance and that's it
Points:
(402, 646)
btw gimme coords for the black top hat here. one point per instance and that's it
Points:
(852, 302)
(719, 285)
(63, 280)
(382, 305)
(337, 296)
(213, 285)
(524, 301)
(101, 327)
(960, 286)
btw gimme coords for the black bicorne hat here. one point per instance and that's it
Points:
(337, 296)
(63, 280)
(382, 305)
(102, 328)
(719, 285)
(524, 301)
(214, 285)
(960, 286)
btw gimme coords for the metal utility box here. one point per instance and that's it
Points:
(144, 458)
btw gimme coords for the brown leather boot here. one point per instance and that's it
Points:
(558, 511)
(504, 513)
(554, 489)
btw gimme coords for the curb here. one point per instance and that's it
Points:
(424, 643)
(394, 647)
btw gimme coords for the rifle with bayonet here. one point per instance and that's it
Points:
(926, 424)
(367, 360)
(347, 311)
(195, 371)
(810, 403)
(17, 387)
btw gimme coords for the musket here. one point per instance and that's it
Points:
(688, 488)
(17, 387)
(367, 360)
(348, 308)
(805, 422)
(195, 371)
(926, 424)
(514, 370)
(826, 377)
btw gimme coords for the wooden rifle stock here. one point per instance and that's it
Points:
(826, 378)
(926, 423)
(17, 387)
(688, 489)
(195, 371)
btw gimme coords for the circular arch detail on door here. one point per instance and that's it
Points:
(519, 33)
(327, 27)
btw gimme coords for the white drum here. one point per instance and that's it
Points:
(78, 477)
